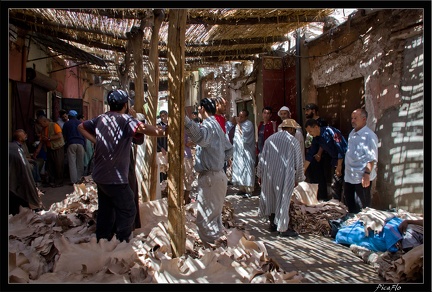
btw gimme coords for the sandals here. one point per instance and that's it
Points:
(288, 233)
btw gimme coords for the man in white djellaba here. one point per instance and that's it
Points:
(243, 164)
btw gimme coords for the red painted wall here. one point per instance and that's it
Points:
(273, 85)
(291, 91)
(16, 50)
(279, 86)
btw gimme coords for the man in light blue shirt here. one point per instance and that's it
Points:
(360, 163)
(213, 149)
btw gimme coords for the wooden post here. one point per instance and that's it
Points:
(255, 112)
(176, 112)
(123, 69)
(151, 168)
(136, 44)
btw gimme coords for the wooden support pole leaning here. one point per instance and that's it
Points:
(149, 192)
(176, 116)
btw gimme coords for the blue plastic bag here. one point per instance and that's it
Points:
(383, 241)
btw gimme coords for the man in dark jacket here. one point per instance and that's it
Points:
(330, 140)
(22, 187)
(162, 142)
(75, 147)
(319, 165)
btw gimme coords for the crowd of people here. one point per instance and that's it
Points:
(219, 148)
(58, 150)
(281, 156)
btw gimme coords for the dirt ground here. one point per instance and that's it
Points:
(318, 259)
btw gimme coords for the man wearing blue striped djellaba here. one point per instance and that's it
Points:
(279, 170)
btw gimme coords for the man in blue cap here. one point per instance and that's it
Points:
(112, 134)
(75, 144)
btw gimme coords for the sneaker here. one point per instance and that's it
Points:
(246, 196)
(288, 233)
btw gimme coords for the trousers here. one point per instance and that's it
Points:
(116, 211)
(212, 187)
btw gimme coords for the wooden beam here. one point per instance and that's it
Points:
(53, 30)
(37, 21)
(214, 56)
(213, 53)
(176, 114)
(151, 112)
(255, 20)
(204, 60)
(219, 53)
(136, 45)
(60, 34)
(111, 13)
(163, 54)
(130, 14)
(241, 41)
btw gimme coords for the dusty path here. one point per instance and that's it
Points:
(316, 258)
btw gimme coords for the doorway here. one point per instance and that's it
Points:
(336, 103)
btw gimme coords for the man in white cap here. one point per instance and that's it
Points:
(279, 170)
(285, 113)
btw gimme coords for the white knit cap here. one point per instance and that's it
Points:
(284, 108)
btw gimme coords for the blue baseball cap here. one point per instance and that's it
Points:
(72, 113)
(117, 97)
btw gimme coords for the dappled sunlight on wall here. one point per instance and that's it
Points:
(402, 130)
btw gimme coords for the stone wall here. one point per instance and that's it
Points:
(386, 49)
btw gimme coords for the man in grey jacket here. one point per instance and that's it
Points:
(213, 149)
